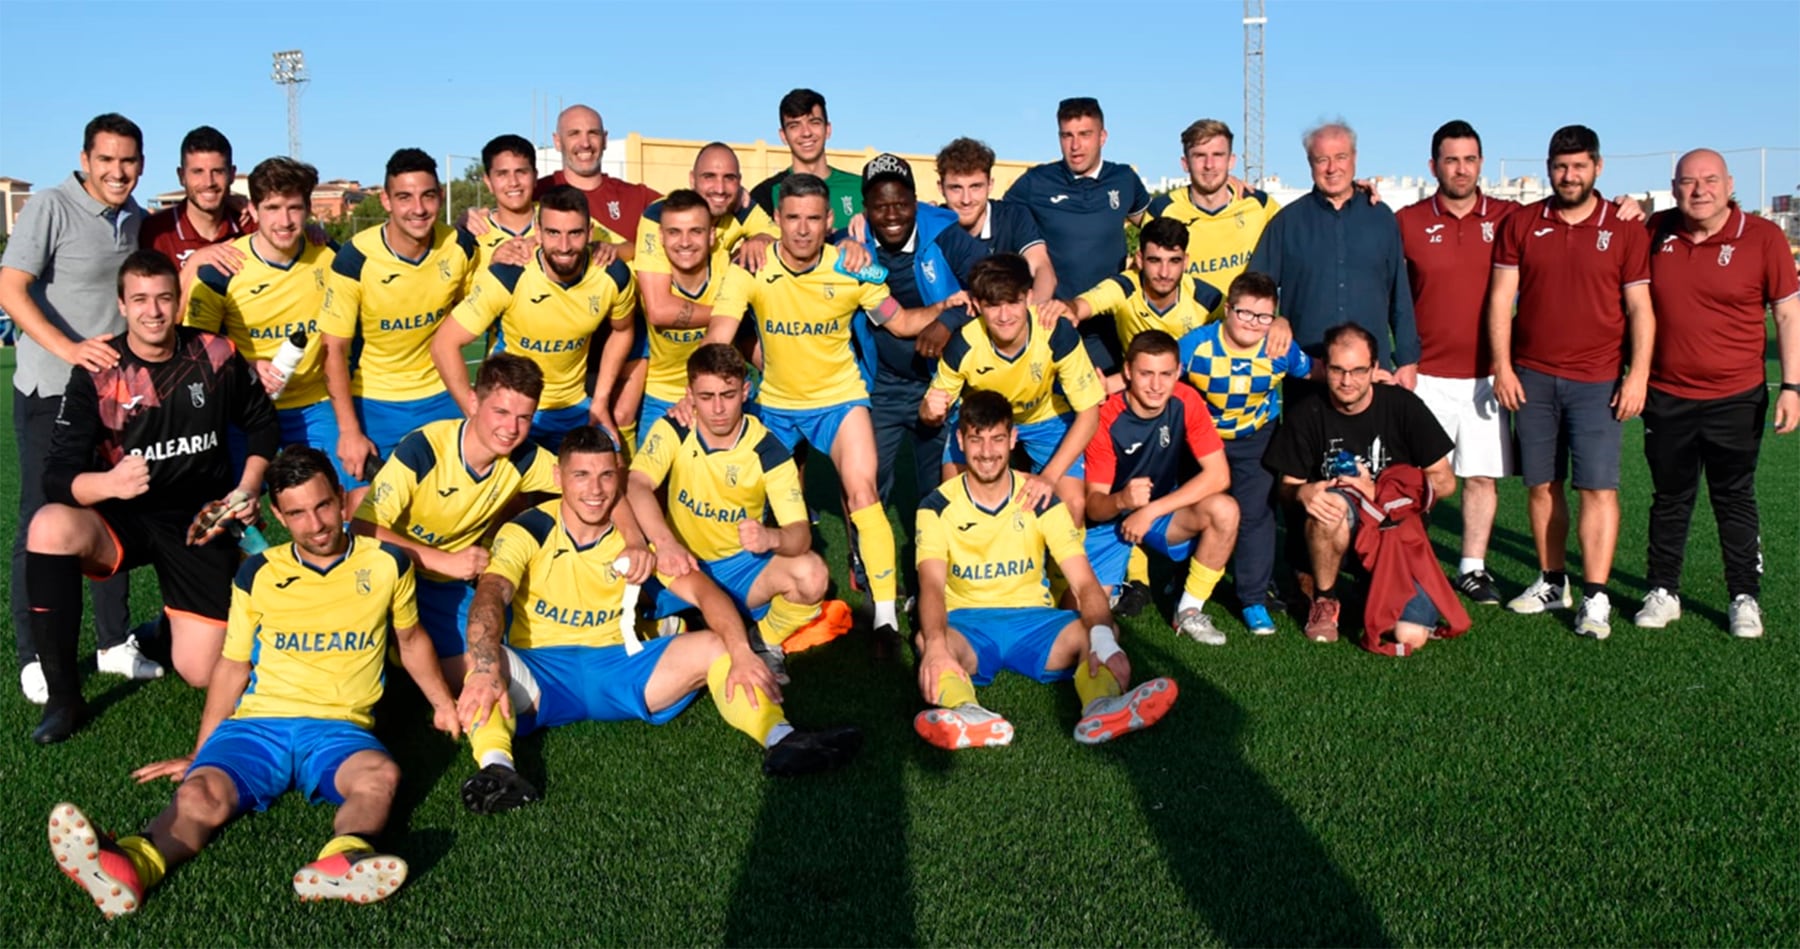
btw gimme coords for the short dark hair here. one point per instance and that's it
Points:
(585, 440)
(1455, 128)
(717, 359)
(1001, 278)
(297, 465)
(282, 175)
(803, 185)
(1164, 232)
(1337, 334)
(1250, 283)
(408, 160)
(111, 123)
(508, 144)
(983, 409)
(205, 139)
(1153, 343)
(566, 198)
(1079, 107)
(800, 102)
(146, 263)
(1574, 138)
(512, 373)
(685, 199)
(965, 156)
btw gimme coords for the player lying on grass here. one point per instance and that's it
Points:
(309, 625)
(570, 654)
(984, 604)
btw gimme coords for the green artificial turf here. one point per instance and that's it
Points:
(1517, 786)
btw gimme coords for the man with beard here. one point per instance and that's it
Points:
(509, 169)
(1569, 262)
(205, 216)
(1224, 217)
(1156, 294)
(549, 311)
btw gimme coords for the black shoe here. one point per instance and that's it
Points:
(1479, 587)
(59, 722)
(1272, 600)
(812, 752)
(884, 643)
(1133, 597)
(496, 789)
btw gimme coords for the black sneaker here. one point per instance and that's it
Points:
(61, 719)
(1133, 597)
(1272, 600)
(496, 789)
(884, 643)
(812, 752)
(1479, 587)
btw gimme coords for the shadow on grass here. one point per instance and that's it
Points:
(1243, 859)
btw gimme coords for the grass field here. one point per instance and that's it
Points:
(1517, 786)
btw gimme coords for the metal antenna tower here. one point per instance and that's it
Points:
(1254, 20)
(290, 71)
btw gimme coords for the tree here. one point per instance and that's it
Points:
(469, 191)
(367, 213)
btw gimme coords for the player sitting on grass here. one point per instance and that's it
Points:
(984, 604)
(1136, 496)
(289, 708)
(571, 655)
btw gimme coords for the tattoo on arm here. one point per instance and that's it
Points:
(487, 621)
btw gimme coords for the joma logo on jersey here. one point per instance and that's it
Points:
(540, 298)
(259, 288)
(390, 278)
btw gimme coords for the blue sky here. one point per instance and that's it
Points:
(1649, 77)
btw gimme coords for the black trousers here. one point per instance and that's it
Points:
(34, 419)
(1720, 437)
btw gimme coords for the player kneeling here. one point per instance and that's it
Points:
(310, 621)
(1135, 492)
(570, 657)
(984, 604)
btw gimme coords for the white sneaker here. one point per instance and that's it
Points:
(1193, 623)
(1595, 621)
(1746, 617)
(1540, 596)
(37, 691)
(1660, 609)
(127, 660)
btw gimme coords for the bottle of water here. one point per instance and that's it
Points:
(288, 357)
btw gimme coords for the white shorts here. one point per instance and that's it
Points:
(1474, 420)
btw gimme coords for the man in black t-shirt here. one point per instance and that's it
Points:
(139, 451)
(1339, 442)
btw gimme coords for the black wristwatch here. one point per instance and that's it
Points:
(1790, 387)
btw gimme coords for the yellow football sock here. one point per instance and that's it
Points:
(784, 618)
(493, 735)
(1099, 685)
(875, 540)
(145, 859)
(954, 690)
(348, 843)
(628, 439)
(736, 711)
(1201, 580)
(1137, 567)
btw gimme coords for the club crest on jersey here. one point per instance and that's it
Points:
(1037, 372)
(1603, 240)
(930, 269)
(444, 269)
(612, 573)
(1487, 231)
(1241, 222)
(363, 586)
(731, 475)
(1018, 522)
(197, 392)
(849, 207)
(654, 444)
(1162, 435)
(318, 278)
(1112, 198)
(830, 292)
(612, 209)
(1725, 254)
(382, 490)
(594, 305)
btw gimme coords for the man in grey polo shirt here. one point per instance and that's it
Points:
(57, 281)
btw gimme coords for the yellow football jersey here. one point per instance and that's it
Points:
(317, 639)
(1219, 242)
(427, 493)
(1121, 297)
(391, 306)
(727, 234)
(498, 234)
(727, 291)
(711, 490)
(1050, 377)
(564, 594)
(263, 304)
(546, 321)
(803, 320)
(993, 558)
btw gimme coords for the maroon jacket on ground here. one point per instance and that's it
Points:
(1395, 548)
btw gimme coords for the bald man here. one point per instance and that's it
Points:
(1714, 270)
(616, 204)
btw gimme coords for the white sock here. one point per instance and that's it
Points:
(500, 758)
(776, 734)
(1189, 601)
(1471, 564)
(885, 615)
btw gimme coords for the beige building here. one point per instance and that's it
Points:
(13, 193)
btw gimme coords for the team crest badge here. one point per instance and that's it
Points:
(362, 583)
(655, 443)
(930, 269)
(611, 572)
(1162, 435)
(197, 392)
(1018, 521)
(731, 475)
(612, 209)
(1725, 254)
(1603, 240)
(594, 305)
(830, 291)
(1241, 223)
(1112, 198)
(318, 278)
(444, 270)
(1487, 231)
(849, 207)
(1037, 372)
(649, 243)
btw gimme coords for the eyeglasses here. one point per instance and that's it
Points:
(1339, 372)
(1251, 316)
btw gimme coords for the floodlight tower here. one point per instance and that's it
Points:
(290, 71)
(1254, 20)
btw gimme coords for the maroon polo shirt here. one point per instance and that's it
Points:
(1448, 262)
(1572, 280)
(170, 231)
(1710, 299)
(617, 204)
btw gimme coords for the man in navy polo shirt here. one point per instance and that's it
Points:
(965, 170)
(1081, 205)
